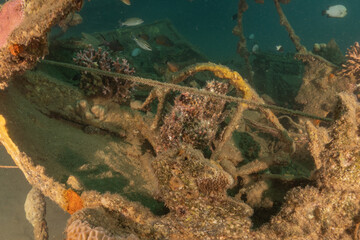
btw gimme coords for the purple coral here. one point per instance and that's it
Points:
(123, 66)
(94, 85)
(194, 119)
(92, 58)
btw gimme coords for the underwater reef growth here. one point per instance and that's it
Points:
(193, 187)
(351, 68)
(315, 65)
(27, 24)
(81, 226)
(71, 20)
(320, 86)
(330, 209)
(319, 72)
(194, 119)
(330, 51)
(110, 87)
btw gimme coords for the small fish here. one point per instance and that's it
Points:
(127, 2)
(142, 43)
(130, 22)
(251, 36)
(164, 41)
(279, 48)
(173, 67)
(336, 11)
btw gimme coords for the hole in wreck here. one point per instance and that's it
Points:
(278, 191)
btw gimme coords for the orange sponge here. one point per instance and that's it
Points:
(74, 201)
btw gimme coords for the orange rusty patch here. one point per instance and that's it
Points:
(74, 201)
(331, 76)
(316, 122)
(16, 49)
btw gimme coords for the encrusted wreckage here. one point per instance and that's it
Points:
(126, 182)
(193, 188)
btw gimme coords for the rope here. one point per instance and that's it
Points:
(8, 166)
(195, 91)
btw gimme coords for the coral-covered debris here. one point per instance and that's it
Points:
(27, 24)
(94, 224)
(329, 210)
(72, 19)
(94, 85)
(330, 51)
(194, 189)
(194, 119)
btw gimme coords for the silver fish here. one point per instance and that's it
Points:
(130, 22)
(142, 43)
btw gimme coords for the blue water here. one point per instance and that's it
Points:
(208, 24)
